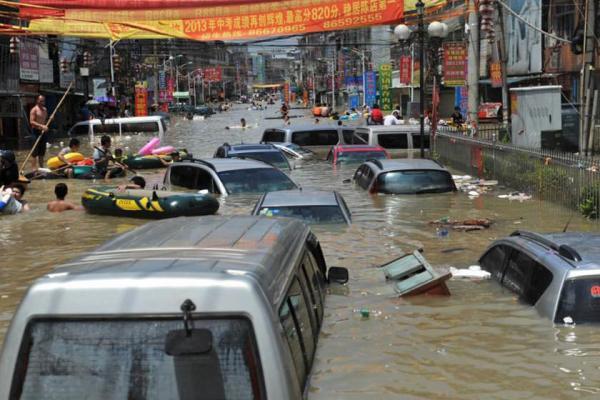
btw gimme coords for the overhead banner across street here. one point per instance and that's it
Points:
(204, 19)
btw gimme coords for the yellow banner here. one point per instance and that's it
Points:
(266, 18)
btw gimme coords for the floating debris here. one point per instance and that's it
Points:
(516, 196)
(466, 225)
(473, 272)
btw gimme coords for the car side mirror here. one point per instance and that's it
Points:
(338, 275)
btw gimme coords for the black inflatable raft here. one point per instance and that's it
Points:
(139, 203)
(151, 162)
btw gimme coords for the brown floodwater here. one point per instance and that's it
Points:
(478, 343)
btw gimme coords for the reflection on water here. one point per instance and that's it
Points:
(478, 343)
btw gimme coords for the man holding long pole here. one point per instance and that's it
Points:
(38, 121)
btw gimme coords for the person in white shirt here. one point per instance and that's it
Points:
(392, 119)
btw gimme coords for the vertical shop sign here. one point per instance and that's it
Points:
(385, 86)
(141, 99)
(29, 65)
(455, 64)
(170, 88)
(371, 89)
(405, 70)
(496, 74)
(416, 74)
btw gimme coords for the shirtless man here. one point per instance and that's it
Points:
(38, 119)
(60, 204)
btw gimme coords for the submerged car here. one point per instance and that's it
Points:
(404, 176)
(227, 176)
(346, 154)
(262, 152)
(316, 137)
(294, 151)
(558, 274)
(311, 206)
(188, 308)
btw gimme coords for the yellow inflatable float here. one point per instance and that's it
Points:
(56, 162)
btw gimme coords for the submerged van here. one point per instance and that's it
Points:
(152, 124)
(225, 307)
(398, 140)
(317, 138)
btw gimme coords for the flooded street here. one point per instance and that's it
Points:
(478, 343)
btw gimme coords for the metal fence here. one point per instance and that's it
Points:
(565, 178)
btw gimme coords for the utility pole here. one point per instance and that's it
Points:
(473, 65)
(503, 56)
(587, 92)
(155, 63)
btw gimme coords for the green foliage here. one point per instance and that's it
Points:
(589, 201)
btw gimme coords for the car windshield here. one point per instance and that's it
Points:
(359, 156)
(297, 148)
(256, 180)
(415, 182)
(580, 301)
(275, 158)
(130, 359)
(309, 214)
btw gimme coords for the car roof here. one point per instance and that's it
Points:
(407, 164)
(96, 121)
(357, 147)
(225, 164)
(287, 198)
(251, 148)
(212, 247)
(310, 127)
(399, 128)
(586, 244)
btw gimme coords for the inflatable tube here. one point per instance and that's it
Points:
(148, 147)
(87, 161)
(145, 162)
(154, 204)
(56, 162)
(163, 150)
(316, 111)
(87, 172)
(324, 111)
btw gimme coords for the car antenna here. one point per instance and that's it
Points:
(568, 222)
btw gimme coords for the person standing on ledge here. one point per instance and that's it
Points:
(38, 117)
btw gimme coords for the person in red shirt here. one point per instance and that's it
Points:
(376, 115)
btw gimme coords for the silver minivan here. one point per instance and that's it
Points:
(398, 140)
(225, 307)
(151, 124)
(316, 137)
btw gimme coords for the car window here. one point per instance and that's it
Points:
(367, 177)
(185, 176)
(256, 180)
(275, 158)
(393, 140)
(205, 181)
(360, 138)
(347, 134)
(316, 138)
(309, 214)
(494, 261)
(416, 141)
(526, 277)
(316, 282)
(580, 300)
(301, 332)
(344, 206)
(273, 135)
(415, 182)
(126, 359)
(106, 128)
(135, 127)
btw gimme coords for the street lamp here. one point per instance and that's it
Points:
(436, 30)
(326, 61)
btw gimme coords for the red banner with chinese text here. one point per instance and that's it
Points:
(141, 99)
(213, 74)
(204, 20)
(405, 70)
(496, 74)
(455, 64)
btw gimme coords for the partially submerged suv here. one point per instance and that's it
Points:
(262, 152)
(318, 138)
(406, 176)
(227, 176)
(211, 307)
(311, 206)
(558, 274)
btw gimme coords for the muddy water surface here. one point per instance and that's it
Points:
(478, 343)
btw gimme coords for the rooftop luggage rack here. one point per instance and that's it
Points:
(563, 250)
